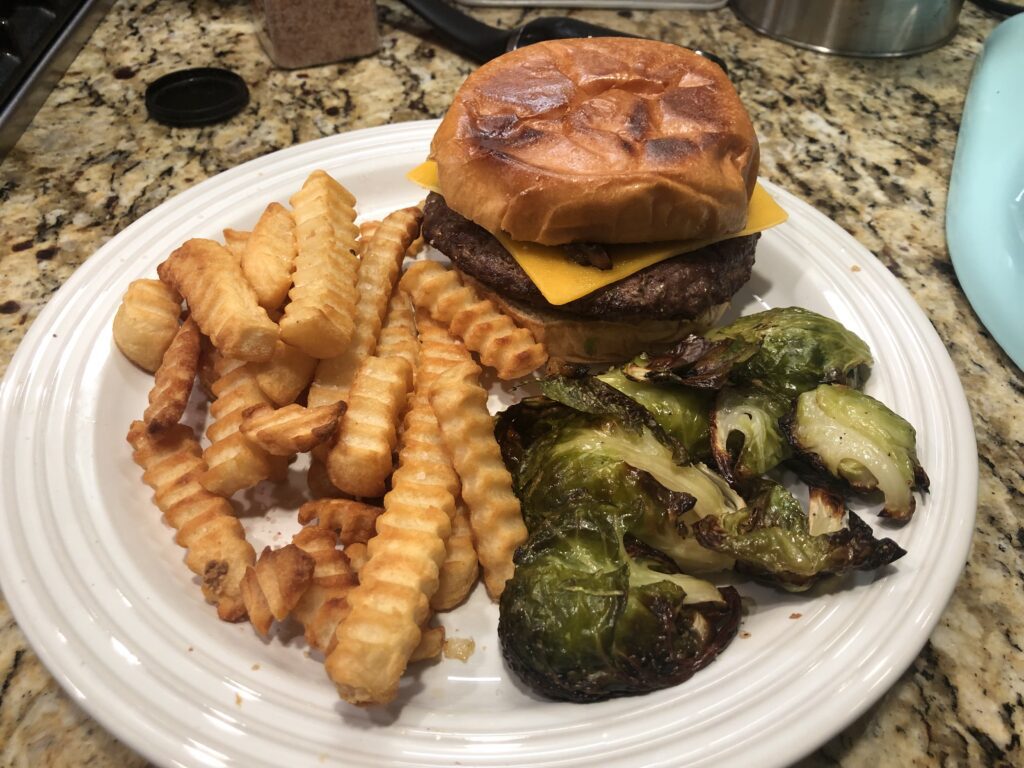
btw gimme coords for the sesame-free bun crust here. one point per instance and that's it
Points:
(607, 140)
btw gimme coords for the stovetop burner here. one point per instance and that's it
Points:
(38, 40)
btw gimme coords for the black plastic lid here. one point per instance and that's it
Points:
(196, 96)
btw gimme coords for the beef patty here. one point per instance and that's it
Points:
(681, 287)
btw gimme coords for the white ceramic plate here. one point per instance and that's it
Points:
(100, 590)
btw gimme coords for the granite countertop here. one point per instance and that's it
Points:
(870, 143)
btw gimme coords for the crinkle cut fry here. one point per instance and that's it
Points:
(512, 351)
(461, 566)
(324, 603)
(391, 604)
(377, 275)
(146, 322)
(233, 461)
(269, 256)
(172, 384)
(221, 301)
(319, 319)
(235, 240)
(273, 587)
(468, 431)
(353, 521)
(291, 429)
(217, 550)
(440, 351)
(360, 461)
(286, 374)
(398, 335)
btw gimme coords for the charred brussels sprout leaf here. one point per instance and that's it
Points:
(851, 437)
(796, 350)
(588, 394)
(693, 362)
(681, 411)
(746, 439)
(771, 541)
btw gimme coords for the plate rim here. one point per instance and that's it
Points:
(51, 312)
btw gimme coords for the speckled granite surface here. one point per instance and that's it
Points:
(868, 142)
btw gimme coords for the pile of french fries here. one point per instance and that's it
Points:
(307, 337)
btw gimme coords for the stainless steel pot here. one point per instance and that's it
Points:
(855, 27)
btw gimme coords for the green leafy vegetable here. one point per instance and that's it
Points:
(849, 436)
(581, 620)
(594, 609)
(796, 350)
(746, 439)
(681, 411)
(771, 540)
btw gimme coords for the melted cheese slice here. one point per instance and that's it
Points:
(561, 280)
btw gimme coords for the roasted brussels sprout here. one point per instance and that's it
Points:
(840, 433)
(555, 453)
(771, 540)
(693, 362)
(796, 350)
(789, 350)
(594, 609)
(582, 621)
(681, 411)
(746, 439)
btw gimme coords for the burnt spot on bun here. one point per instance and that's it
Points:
(669, 150)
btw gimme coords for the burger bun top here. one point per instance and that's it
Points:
(605, 140)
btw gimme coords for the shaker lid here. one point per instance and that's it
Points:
(197, 96)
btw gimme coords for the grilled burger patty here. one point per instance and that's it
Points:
(681, 287)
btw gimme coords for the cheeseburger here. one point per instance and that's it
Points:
(597, 191)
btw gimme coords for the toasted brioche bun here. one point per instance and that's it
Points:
(606, 140)
(575, 339)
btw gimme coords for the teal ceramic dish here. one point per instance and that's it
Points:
(985, 209)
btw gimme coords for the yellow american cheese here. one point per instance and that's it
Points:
(562, 280)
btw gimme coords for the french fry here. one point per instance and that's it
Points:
(291, 429)
(234, 462)
(273, 587)
(460, 404)
(324, 604)
(357, 556)
(353, 521)
(172, 384)
(382, 632)
(460, 567)
(234, 241)
(269, 256)
(222, 302)
(398, 334)
(431, 643)
(367, 229)
(501, 344)
(286, 374)
(319, 317)
(146, 322)
(360, 461)
(439, 350)
(214, 539)
(378, 272)
(209, 360)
